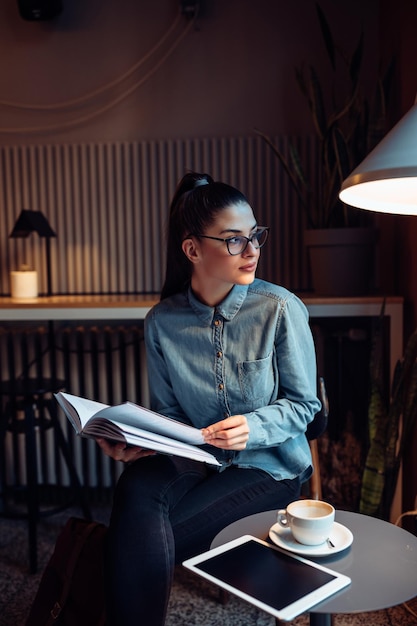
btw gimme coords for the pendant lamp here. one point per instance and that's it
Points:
(386, 180)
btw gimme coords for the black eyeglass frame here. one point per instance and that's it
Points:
(259, 231)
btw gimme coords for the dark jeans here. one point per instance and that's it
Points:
(165, 510)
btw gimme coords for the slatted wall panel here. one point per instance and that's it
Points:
(108, 204)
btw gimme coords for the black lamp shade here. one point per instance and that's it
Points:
(32, 221)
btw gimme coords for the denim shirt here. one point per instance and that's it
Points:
(253, 354)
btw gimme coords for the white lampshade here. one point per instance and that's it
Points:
(386, 180)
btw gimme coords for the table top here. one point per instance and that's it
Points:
(382, 561)
(136, 306)
(77, 307)
(123, 300)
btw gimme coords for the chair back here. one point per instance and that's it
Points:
(319, 423)
(314, 430)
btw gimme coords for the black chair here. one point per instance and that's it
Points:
(28, 409)
(314, 430)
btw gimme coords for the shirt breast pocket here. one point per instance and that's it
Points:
(256, 379)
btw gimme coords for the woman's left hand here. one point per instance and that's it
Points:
(122, 452)
(231, 433)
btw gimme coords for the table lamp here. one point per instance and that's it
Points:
(386, 180)
(34, 221)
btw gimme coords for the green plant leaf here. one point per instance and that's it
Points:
(341, 151)
(387, 440)
(302, 84)
(327, 36)
(346, 126)
(317, 104)
(373, 479)
(295, 174)
(356, 63)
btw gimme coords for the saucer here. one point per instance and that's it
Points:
(340, 536)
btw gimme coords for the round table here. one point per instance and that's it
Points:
(381, 562)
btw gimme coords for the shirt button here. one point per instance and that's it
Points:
(217, 322)
(219, 354)
(221, 386)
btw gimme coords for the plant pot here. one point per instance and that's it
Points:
(341, 260)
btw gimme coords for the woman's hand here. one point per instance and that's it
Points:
(231, 433)
(121, 452)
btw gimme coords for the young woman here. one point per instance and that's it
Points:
(232, 355)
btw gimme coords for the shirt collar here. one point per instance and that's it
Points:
(227, 308)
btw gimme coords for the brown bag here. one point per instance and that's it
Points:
(71, 588)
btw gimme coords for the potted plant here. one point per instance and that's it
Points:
(347, 126)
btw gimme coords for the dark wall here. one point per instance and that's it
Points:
(231, 71)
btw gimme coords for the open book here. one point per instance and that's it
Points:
(134, 425)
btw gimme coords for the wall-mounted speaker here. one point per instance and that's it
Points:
(39, 9)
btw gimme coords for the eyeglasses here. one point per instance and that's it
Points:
(238, 243)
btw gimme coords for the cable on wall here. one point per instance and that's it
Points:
(112, 103)
(100, 90)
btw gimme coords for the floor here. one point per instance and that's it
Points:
(194, 602)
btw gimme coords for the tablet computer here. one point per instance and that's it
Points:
(282, 584)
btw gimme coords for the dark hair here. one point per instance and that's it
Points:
(196, 202)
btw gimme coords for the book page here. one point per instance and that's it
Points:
(138, 417)
(100, 427)
(134, 425)
(84, 409)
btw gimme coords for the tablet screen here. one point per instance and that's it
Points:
(281, 583)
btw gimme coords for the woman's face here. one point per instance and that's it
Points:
(215, 271)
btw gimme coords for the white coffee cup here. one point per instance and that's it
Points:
(310, 521)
